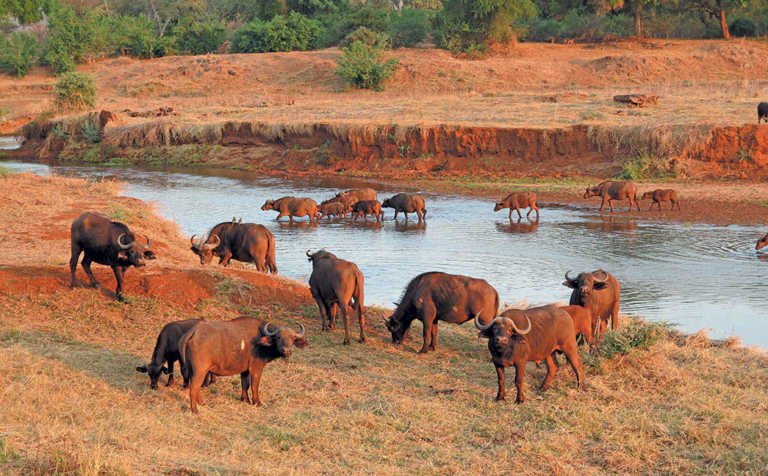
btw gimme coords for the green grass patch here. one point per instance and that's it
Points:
(123, 214)
(646, 166)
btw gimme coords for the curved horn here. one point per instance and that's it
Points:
(309, 255)
(568, 278)
(149, 243)
(486, 327)
(269, 333)
(121, 244)
(527, 329)
(303, 330)
(603, 273)
(192, 242)
(213, 245)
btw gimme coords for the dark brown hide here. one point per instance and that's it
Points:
(355, 195)
(662, 195)
(582, 321)
(610, 191)
(600, 292)
(167, 351)
(293, 207)
(334, 284)
(407, 203)
(762, 112)
(363, 208)
(335, 208)
(247, 242)
(517, 200)
(433, 297)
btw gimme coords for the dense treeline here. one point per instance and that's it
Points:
(68, 32)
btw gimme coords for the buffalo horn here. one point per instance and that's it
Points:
(301, 326)
(192, 241)
(527, 329)
(568, 278)
(269, 333)
(149, 243)
(121, 244)
(213, 245)
(486, 327)
(603, 274)
(309, 255)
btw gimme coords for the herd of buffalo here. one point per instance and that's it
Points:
(206, 349)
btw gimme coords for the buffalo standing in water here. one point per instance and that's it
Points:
(547, 329)
(407, 203)
(334, 284)
(355, 195)
(600, 292)
(246, 242)
(293, 207)
(105, 242)
(435, 296)
(517, 200)
(762, 242)
(610, 191)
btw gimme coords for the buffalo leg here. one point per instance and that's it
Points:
(255, 370)
(322, 310)
(433, 344)
(502, 393)
(345, 314)
(406, 215)
(245, 385)
(519, 377)
(86, 264)
(602, 204)
(429, 313)
(171, 363)
(519, 215)
(395, 215)
(610, 204)
(361, 319)
(225, 258)
(332, 309)
(615, 316)
(572, 355)
(195, 382)
(551, 371)
(510, 213)
(119, 278)
(73, 262)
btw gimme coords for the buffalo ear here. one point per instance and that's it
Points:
(194, 250)
(300, 342)
(165, 370)
(142, 369)
(148, 254)
(265, 341)
(599, 285)
(570, 284)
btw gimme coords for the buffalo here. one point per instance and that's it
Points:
(517, 200)
(363, 208)
(762, 112)
(434, 296)
(105, 242)
(355, 195)
(334, 283)
(662, 195)
(547, 329)
(243, 345)
(610, 191)
(582, 321)
(762, 242)
(293, 207)
(167, 352)
(599, 292)
(337, 208)
(407, 203)
(246, 242)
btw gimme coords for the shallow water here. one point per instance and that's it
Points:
(695, 275)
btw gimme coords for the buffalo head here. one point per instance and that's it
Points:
(132, 252)
(398, 329)
(501, 330)
(204, 249)
(499, 206)
(646, 195)
(585, 283)
(387, 203)
(762, 242)
(268, 205)
(592, 192)
(281, 339)
(154, 372)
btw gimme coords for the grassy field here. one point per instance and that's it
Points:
(655, 401)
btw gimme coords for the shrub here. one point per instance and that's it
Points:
(408, 28)
(71, 36)
(295, 32)
(636, 335)
(743, 27)
(18, 53)
(367, 36)
(91, 132)
(199, 37)
(464, 24)
(360, 66)
(74, 91)
(645, 166)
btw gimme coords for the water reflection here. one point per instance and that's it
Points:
(413, 226)
(612, 224)
(519, 226)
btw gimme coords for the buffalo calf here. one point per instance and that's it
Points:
(407, 203)
(662, 195)
(517, 200)
(363, 208)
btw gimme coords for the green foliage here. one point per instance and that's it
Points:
(464, 24)
(25, 11)
(361, 67)
(743, 27)
(245, 10)
(134, 36)
(367, 36)
(91, 132)
(200, 37)
(18, 53)
(314, 7)
(74, 91)
(408, 27)
(581, 24)
(645, 166)
(5, 172)
(71, 36)
(295, 32)
(637, 335)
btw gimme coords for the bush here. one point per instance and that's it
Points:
(71, 36)
(408, 28)
(74, 91)
(91, 132)
(636, 335)
(646, 166)
(468, 24)
(743, 27)
(18, 53)
(296, 32)
(199, 37)
(134, 36)
(360, 66)
(367, 36)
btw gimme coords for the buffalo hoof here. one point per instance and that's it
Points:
(423, 351)
(362, 340)
(500, 398)
(519, 400)
(346, 342)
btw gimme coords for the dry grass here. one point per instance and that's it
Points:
(73, 403)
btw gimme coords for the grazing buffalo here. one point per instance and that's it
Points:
(335, 208)
(762, 112)
(516, 201)
(246, 242)
(662, 195)
(610, 191)
(334, 283)
(293, 207)
(363, 208)
(407, 203)
(105, 242)
(599, 292)
(433, 297)
(582, 321)
(355, 195)
(546, 329)
(243, 345)
(167, 351)
(762, 242)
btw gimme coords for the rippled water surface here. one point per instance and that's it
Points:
(696, 275)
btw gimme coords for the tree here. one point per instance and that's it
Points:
(25, 11)
(717, 8)
(467, 23)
